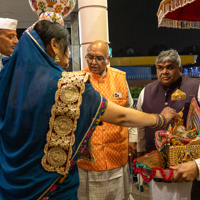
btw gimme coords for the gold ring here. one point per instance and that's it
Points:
(173, 111)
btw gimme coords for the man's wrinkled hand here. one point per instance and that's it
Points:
(131, 150)
(185, 172)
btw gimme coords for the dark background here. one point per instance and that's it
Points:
(133, 24)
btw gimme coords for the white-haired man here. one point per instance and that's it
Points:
(8, 37)
(156, 96)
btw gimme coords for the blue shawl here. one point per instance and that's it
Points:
(28, 83)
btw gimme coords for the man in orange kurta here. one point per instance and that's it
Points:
(104, 173)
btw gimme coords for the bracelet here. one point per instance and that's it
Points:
(164, 121)
(157, 121)
(161, 121)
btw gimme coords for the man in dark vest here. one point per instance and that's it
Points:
(153, 98)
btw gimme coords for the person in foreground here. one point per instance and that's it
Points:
(8, 37)
(112, 146)
(153, 98)
(48, 115)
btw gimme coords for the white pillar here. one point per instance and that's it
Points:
(75, 42)
(93, 24)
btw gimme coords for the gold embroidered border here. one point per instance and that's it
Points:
(92, 160)
(48, 188)
(34, 40)
(89, 147)
(180, 154)
(63, 122)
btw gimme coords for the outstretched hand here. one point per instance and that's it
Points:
(170, 114)
(185, 171)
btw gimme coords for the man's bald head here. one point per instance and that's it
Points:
(98, 56)
(101, 46)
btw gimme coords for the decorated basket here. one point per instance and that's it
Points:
(174, 146)
(177, 145)
(181, 154)
(152, 166)
(177, 150)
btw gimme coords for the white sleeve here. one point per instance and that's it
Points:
(133, 133)
(141, 131)
(198, 165)
(198, 95)
(198, 160)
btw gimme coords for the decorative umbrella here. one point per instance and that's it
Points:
(52, 10)
(62, 7)
(179, 14)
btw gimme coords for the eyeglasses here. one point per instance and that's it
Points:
(66, 56)
(99, 59)
(67, 62)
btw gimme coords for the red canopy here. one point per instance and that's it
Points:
(183, 14)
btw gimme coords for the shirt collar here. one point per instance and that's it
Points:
(104, 72)
(1, 56)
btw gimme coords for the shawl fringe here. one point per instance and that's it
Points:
(167, 6)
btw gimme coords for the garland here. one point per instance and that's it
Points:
(153, 172)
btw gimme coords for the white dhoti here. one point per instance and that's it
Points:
(170, 191)
(113, 184)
